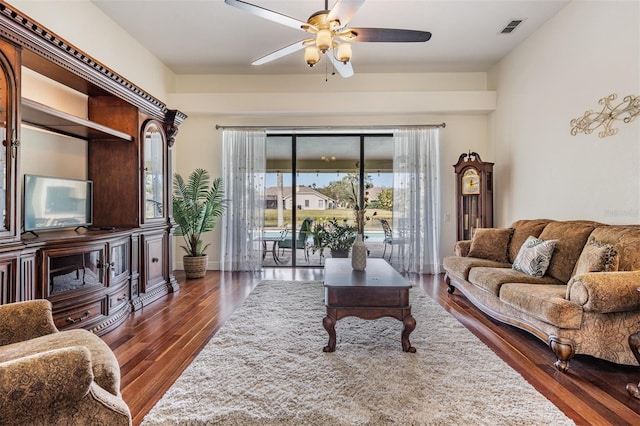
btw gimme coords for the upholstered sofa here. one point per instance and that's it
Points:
(586, 300)
(48, 377)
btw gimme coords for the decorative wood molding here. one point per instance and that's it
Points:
(172, 120)
(626, 111)
(43, 49)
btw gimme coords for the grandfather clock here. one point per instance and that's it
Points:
(474, 194)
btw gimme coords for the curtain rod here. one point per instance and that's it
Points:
(289, 128)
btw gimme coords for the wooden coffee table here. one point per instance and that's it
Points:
(379, 291)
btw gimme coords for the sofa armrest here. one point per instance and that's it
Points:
(45, 381)
(462, 248)
(22, 321)
(606, 292)
(106, 408)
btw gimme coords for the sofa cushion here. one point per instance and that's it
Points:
(462, 248)
(571, 236)
(523, 229)
(596, 257)
(491, 244)
(491, 279)
(544, 302)
(534, 256)
(626, 241)
(460, 266)
(105, 366)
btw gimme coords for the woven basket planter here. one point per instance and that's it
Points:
(195, 266)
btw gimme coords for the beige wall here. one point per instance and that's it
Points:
(589, 50)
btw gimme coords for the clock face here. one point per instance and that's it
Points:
(470, 182)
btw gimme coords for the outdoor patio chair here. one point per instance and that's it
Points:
(388, 237)
(301, 239)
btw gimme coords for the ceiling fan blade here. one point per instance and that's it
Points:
(267, 14)
(345, 70)
(344, 10)
(385, 35)
(298, 45)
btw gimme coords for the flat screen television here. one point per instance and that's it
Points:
(52, 202)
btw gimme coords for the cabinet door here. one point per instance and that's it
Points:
(77, 270)
(153, 179)
(8, 290)
(119, 289)
(118, 261)
(9, 94)
(154, 261)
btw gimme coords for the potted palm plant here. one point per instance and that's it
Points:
(196, 209)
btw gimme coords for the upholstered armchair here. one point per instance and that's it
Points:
(48, 377)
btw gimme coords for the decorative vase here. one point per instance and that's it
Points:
(359, 254)
(195, 266)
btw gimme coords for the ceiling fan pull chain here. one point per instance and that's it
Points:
(326, 70)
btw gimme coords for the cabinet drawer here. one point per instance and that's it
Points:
(79, 315)
(119, 298)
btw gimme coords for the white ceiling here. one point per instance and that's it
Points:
(211, 37)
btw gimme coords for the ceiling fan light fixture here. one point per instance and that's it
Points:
(343, 53)
(324, 40)
(311, 55)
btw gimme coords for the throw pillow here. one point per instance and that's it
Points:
(534, 256)
(490, 243)
(597, 257)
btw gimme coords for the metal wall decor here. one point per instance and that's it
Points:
(625, 111)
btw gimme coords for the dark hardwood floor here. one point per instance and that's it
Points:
(159, 341)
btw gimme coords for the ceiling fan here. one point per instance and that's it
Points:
(329, 32)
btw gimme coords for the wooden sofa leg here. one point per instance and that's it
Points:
(564, 352)
(447, 281)
(634, 344)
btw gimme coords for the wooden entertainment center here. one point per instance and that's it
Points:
(96, 276)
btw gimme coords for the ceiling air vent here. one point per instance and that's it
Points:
(508, 29)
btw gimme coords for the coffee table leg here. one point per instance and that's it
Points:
(330, 325)
(409, 326)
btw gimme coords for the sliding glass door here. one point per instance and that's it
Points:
(315, 179)
(378, 174)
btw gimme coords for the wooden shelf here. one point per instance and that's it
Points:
(45, 117)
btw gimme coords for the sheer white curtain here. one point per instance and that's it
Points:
(243, 170)
(416, 201)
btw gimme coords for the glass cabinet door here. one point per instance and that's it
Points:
(153, 179)
(9, 146)
(69, 271)
(118, 265)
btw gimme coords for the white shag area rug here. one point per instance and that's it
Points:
(266, 366)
